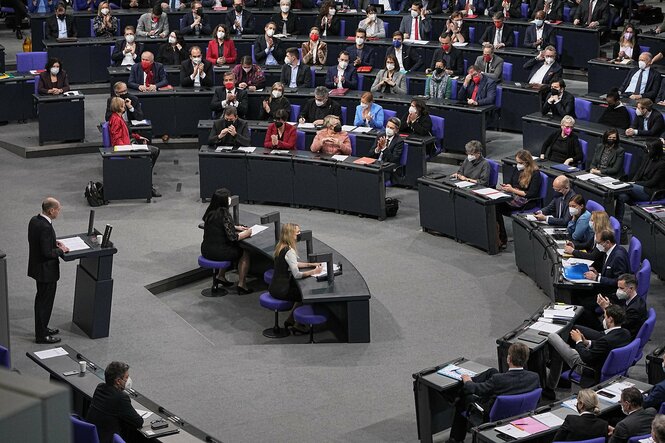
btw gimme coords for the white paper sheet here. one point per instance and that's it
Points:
(546, 327)
(574, 261)
(570, 404)
(585, 177)
(339, 157)
(324, 269)
(50, 353)
(460, 45)
(512, 431)
(130, 148)
(223, 148)
(140, 122)
(361, 129)
(142, 413)
(306, 125)
(280, 151)
(646, 440)
(617, 185)
(418, 42)
(464, 184)
(549, 419)
(560, 313)
(74, 243)
(348, 128)
(258, 229)
(247, 149)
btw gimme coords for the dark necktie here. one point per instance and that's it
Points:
(638, 87)
(590, 11)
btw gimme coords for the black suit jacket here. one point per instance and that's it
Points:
(548, 36)
(507, 37)
(454, 60)
(220, 96)
(601, 13)
(637, 423)
(111, 411)
(555, 13)
(118, 54)
(292, 23)
(187, 69)
(581, 427)
(510, 382)
(392, 153)
(432, 5)
(240, 139)
(650, 90)
(565, 106)
(247, 21)
(52, 27)
(616, 264)
(43, 264)
(186, 25)
(310, 112)
(558, 209)
(136, 115)
(595, 355)
(555, 72)
(636, 315)
(278, 51)
(514, 9)
(303, 77)
(655, 124)
(368, 55)
(411, 59)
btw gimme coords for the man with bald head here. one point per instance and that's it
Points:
(149, 75)
(44, 267)
(556, 213)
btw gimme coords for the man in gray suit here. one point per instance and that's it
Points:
(153, 24)
(490, 64)
(417, 25)
(638, 420)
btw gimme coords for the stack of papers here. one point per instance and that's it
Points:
(564, 312)
(74, 243)
(130, 148)
(549, 419)
(50, 353)
(609, 182)
(339, 157)
(532, 218)
(464, 184)
(585, 177)
(142, 413)
(490, 193)
(612, 393)
(247, 149)
(512, 431)
(455, 372)
(280, 151)
(546, 326)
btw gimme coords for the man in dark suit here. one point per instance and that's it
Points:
(591, 353)
(490, 64)
(490, 384)
(658, 429)
(149, 75)
(407, 57)
(615, 115)
(477, 89)
(240, 21)
(229, 130)
(196, 22)
(637, 421)
(509, 8)
(598, 17)
(343, 75)
(44, 267)
(268, 49)
(360, 54)
(429, 6)
(60, 25)
(614, 262)
(417, 25)
(498, 35)
(315, 109)
(132, 104)
(641, 82)
(539, 34)
(111, 410)
(295, 74)
(229, 96)
(197, 71)
(558, 101)
(556, 212)
(648, 121)
(471, 6)
(389, 147)
(544, 67)
(553, 9)
(635, 307)
(656, 396)
(450, 55)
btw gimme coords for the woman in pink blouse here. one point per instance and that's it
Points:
(331, 139)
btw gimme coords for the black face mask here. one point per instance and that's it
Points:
(554, 92)
(298, 237)
(61, 16)
(337, 128)
(238, 8)
(123, 96)
(611, 142)
(230, 123)
(279, 124)
(438, 71)
(198, 12)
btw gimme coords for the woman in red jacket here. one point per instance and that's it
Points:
(221, 49)
(280, 134)
(118, 130)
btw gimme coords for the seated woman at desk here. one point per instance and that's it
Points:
(649, 178)
(598, 222)
(417, 120)
(390, 80)
(331, 139)
(274, 103)
(578, 225)
(372, 25)
(174, 51)
(440, 84)
(523, 186)
(118, 130)
(221, 237)
(368, 113)
(475, 168)
(608, 157)
(280, 134)
(54, 80)
(587, 425)
(455, 28)
(104, 24)
(127, 51)
(563, 146)
(627, 48)
(286, 20)
(221, 49)
(287, 270)
(327, 21)
(314, 51)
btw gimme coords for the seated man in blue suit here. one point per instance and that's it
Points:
(477, 89)
(343, 75)
(539, 34)
(149, 75)
(491, 383)
(360, 54)
(612, 264)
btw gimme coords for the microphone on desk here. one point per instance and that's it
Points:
(174, 418)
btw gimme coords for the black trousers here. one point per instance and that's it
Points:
(43, 307)
(458, 428)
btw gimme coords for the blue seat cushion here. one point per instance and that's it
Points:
(310, 315)
(212, 264)
(274, 304)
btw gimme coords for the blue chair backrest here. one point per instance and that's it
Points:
(343, 115)
(453, 86)
(312, 71)
(637, 438)
(182, 20)
(644, 334)
(111, 49)
(592, 205)
(253, 58)
(352, 138)
(295, 112)
(643, 277)
(507, 74)
(516, 38)
(616, 227)
(472, 34)
(92, 27)
(342, 28)
(634, 254)
(592, 440)
(405, 155)
(106, 136)
(584, 145)
(631, 111)
(544, 185)
(498, 98)
(438, 129)
(4, 357)
(566, 13)
(361, 82)
(494, 173)
(29, 61)
(300, 140)
(524, 8)
(386, 27)
(509, 405)
(583, 109)
(118, 439)
(619, 360)
(559, 44)
(466, 65)
(36, 84)
(387, 114)
(83, 432)
(627, 163)
(645, 48)
(662, 408)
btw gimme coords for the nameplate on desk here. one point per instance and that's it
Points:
(130, 148)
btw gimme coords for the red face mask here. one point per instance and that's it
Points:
(498, 25)
(487, 57)
(446, 47)
(229, 85)
(476, 79)
(314, 37)
(146, 65)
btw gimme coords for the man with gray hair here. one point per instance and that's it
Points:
(641, 82)
(44, 267)
(658, 429)
(475, 168)
(315, 109)
(389, 147)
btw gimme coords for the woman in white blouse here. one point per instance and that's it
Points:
(373, 25)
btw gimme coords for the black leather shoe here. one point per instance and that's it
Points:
(155, 193)
(53, 331)
(48, 340)
(243, 291)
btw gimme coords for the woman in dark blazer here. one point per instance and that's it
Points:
(286, 19)
(327, 23)
(608, 157)
(53, 81)
(174, 51)
(563, 146)
(274, 103)
(585, 426)
(221, 237)
(417, 122)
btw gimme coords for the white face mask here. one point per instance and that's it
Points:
(538, 22)
(390, 132)
(128, 384)
(591, 224)
(276, 94)
(520, 167)
(549, 60)
(105, 11)
(319, 103)
(412, 110)
(196, 60)
(471, 157)
(573, 211)
(270, 32)
(622, 295)
(390, 66)
(360, 41)
(638, 111)
(220, 34)
(371, 17)
(331, 11)
(285, 8)
(172, 40)
(343, 64)
(364, 105)
(642, 64)
(247, 69)
(129, 38)
(54, 71)
(600, 247)
(604, 323)
(414, 14)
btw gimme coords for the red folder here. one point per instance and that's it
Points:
(364, 161)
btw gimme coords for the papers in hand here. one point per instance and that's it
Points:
(455, 372)
(339, 157)
(257, 229)
(532, 218)
(130, 148)
(50, 353)
(324, 270)
(139, 122)
(74, 243)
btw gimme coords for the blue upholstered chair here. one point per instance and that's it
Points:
(82, 431)
(311, 315)
(4, 357)
(295, 113)
(583, 109)
(644, 334)
(352, 139)
(643, 277)
(117, 439)
(507, 73)
(494, 173)
(106, 135)
(634, 254)
(617, 362)
(592, 205)
(215, 266)
(438, 131)
(387, 114)
(616, 227)
(510, 405)
(30, 61)
(584, 146)
(300, 140)
(627, 163)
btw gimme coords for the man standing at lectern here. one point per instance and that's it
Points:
(44, 267)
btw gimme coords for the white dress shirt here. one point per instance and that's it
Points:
(62, 28)
(540, 74)
(633, 81)
(294, 76)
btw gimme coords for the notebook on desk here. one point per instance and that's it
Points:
(147, 430)
(565, 168)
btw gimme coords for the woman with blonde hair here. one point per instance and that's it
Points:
(104, 24)
(600, 221)
(287, 268)
(585, 426)
(331, 139)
